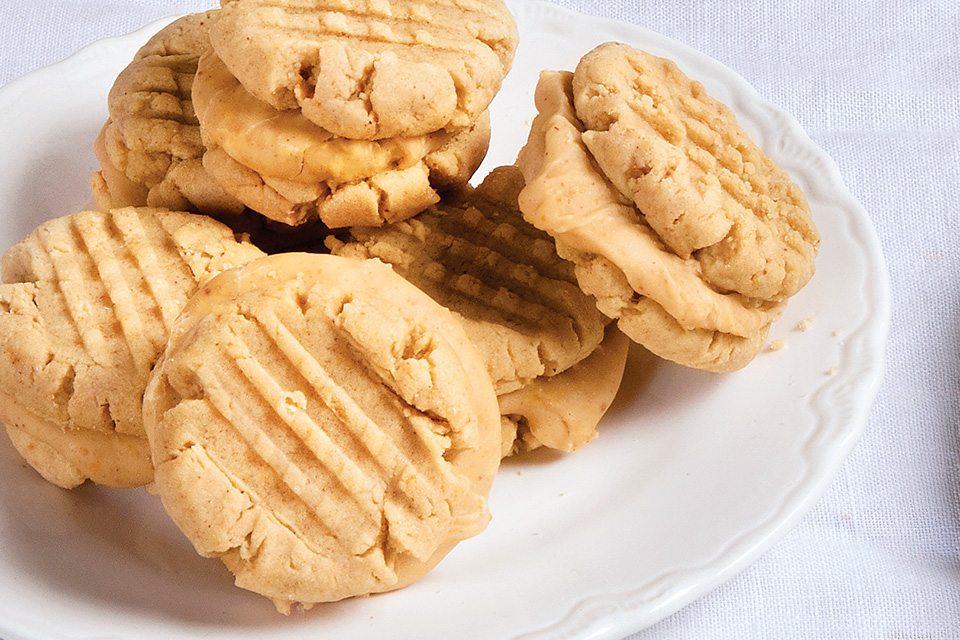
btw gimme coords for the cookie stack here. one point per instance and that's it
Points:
(328, 423)
(351, 116)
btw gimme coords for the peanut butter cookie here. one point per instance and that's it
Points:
(563, 411)
(290, 170)
(696, 177)
(85, 309)
(150, 148)
(323, 427)
(374, 68)
(661, 299)
(474, 254)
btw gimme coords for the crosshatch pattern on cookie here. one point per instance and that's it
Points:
(159, 88)
(108, 287)
(342, 423)
(474, 254)
(323, 445)
(569, 197)
(700, 182)
(371, 69)
(150, 147)
(150, 102)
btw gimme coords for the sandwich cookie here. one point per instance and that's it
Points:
(370, 69)
(323, 427)
(563, 412)
(474, 254)
(150, 150)
(701, 184)
(663, 298)
(290, 170)
(85, 309)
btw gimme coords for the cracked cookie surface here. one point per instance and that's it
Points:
(474, 254)
(374, 68)
(150, 148)
(696, 177)
(292, 171)
(85, 309)
(322, 427)
(659, 298)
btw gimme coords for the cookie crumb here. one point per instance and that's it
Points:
(777, 345)
(837, 333)
(832, 371)
(806, 323)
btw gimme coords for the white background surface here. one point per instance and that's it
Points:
(877, 85)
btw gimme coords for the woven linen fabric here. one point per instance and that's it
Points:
(68, 25)
(877, 86)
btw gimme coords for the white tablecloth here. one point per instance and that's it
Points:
(877, 85)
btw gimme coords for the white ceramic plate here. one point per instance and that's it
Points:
(694, 475)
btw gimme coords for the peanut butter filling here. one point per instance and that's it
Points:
(284, 144)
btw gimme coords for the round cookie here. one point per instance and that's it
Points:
(563, 411)
(285, 144)
(474, 254)
(183, 186)
(150, 148)
(322, 427)
(699, 181)
(290, 170)
(659, 298)
(85, 309)
(374, 68)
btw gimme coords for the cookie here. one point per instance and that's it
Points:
(284, 144)
(184, 185)
(699, 181)
(474, 254)
(660, 298)
(563, 411)
(150, 148)
(371, 69)
(387, 197)
(322, 427)
(290, 170)
(85, 309)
